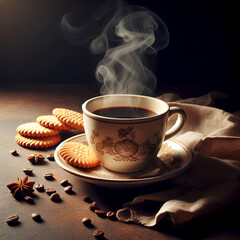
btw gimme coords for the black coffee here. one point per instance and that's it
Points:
(124, 112)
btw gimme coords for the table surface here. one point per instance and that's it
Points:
(21, 104)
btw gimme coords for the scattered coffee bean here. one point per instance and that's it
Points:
(50, 191)
(55, 197)
(14, 152)
(36, 217)
(111, 215)
(100, 212)
(68, 189)
(28, 171)
(29, 199)
(87, 199)
(98, 234)
(50, 157)
(12, 220)
(87, 221)
(93, 206)
(65, 183)
(40, 187)
(49, 176)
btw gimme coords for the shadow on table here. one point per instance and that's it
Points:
(114, 198)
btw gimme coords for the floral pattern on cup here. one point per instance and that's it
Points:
(125, 148)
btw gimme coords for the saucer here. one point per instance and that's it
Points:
(172, 160)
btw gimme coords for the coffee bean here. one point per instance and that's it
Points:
(29, 199)
(87, 221)
(40, 187)
(68, 189)
(50, 191)
(100, 212)
(28, 171)
(65, 183)
(87, 199)
(49, 176)
(55, 197)
(98, 234)
(12, 220)
(50, 157)
(14, 152)
(111, 215)
(93, 206)
(36, 217)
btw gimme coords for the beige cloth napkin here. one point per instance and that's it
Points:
(212, 182)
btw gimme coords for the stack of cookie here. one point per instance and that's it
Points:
(44, 133)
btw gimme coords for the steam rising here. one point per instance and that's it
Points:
(127, 35)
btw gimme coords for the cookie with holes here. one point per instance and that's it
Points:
(79, 155)
(69, 117)
(52, 122)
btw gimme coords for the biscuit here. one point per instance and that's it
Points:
(34, 129)
(78, 154)
(69, 117)
(50, 121)
(38, 142)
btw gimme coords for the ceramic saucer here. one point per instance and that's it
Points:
(173, 159)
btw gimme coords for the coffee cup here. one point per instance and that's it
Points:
(126, 131)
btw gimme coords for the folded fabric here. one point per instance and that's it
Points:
(212, 182)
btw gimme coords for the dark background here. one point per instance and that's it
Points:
(202, 50)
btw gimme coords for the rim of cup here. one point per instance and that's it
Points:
(123, 100)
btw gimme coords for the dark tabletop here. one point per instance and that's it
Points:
(21, 104)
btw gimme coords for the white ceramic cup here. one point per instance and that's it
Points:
(128, 144)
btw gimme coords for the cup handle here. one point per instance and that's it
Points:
(178, 125)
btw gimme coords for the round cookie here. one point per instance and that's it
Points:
(78, 154)
(50, 121)
(69, 117)
(34, 129)
(39, 142)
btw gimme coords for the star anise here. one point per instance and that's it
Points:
(22, 188)
(35, 158)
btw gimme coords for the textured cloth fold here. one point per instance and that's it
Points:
(212, 182)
